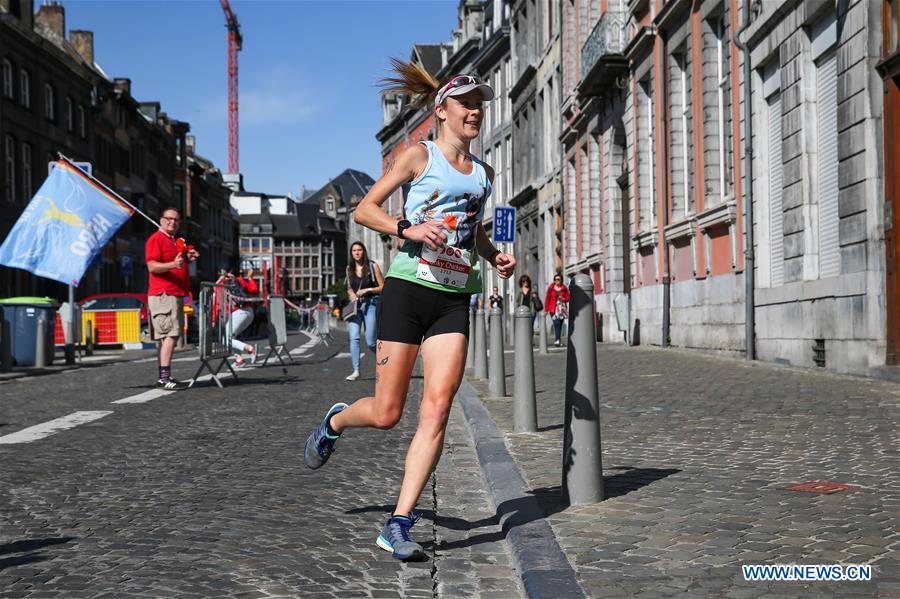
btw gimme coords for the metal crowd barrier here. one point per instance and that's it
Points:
(277, 331)
(323, 324)
(214, 321)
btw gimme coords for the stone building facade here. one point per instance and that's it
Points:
(656, 187)
(532, 93)
(54, 97)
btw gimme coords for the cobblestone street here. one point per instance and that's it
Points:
(697, 452)
(203, 493)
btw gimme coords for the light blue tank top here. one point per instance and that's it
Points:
(443, 193)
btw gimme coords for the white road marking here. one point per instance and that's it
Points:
(188, 359)
(343, 355)
(39, 431)
(153, 359)
(100, 358)
(144, 397)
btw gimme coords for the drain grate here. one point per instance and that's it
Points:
(820, 486)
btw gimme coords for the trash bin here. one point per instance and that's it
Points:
(21, 315)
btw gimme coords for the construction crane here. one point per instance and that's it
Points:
(234, 46)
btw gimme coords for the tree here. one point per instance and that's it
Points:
(339, 289)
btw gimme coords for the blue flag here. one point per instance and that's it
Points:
(64, 227)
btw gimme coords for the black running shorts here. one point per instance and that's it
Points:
(410, 313)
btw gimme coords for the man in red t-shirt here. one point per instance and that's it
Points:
(170, 282)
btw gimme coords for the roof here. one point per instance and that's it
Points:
(287, 225)
(348, 184)
(429, 55)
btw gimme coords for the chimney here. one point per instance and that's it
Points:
(52, 16)
(123, 85)
(83, 41)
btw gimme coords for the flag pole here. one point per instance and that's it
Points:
(110, 191)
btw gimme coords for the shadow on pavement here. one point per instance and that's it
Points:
(29, 547)
(541, 503)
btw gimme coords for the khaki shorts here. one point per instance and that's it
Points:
(166, 315)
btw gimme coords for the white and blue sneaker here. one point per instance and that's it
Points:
(320, 445)
(394, 537)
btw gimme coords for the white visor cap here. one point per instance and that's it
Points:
(487, 92)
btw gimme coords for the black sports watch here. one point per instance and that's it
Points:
(402, 225)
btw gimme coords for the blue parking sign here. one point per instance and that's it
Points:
(504, 225)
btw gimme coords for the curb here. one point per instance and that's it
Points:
(542, 566)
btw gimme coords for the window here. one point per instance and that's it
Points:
(329, 204)
(82, 125)
(10, 162)
(24, 89)
(773, 168)
(571, 198)
(49, 102)
(7, 79)
(681, 150)
(646, 183)
(594, 154)
(265, 244)
(825, 73)
(716, 108)
(245, 245)
(70, 115)
(26, 172)
(497, 196)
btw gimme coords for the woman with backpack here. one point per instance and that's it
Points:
(556, 303)
(364, 284)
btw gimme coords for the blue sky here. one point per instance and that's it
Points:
(308, 105)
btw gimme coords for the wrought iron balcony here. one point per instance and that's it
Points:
(602, 54)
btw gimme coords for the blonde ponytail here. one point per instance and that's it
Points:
(412, 79)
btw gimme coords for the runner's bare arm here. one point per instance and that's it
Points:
(407, 167)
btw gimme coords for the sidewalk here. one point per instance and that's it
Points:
(99, 357)
(697, 452)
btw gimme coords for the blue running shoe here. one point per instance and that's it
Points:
(320, 444)
(394, 537)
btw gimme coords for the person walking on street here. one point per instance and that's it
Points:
(556, 303)
(364, 284)
(528, 297)
(241, 289)
(495, 299)
(425, 300)
(168, 284)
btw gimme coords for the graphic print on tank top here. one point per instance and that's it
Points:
(456, 199)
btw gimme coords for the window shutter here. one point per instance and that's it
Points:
(826, 107)
(776, 213)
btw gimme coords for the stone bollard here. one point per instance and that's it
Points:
(542, 333)
(582, 476)
(5, 349)
(470, 348)
(40, 348)
(481, 366)
(497, 383)
(524, 402)
(89, 339)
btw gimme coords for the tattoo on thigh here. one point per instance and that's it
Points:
(379, 347)
(382, 362)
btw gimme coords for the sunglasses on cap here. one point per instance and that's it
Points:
(462, 81)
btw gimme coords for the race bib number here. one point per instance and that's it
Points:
(447, 266)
